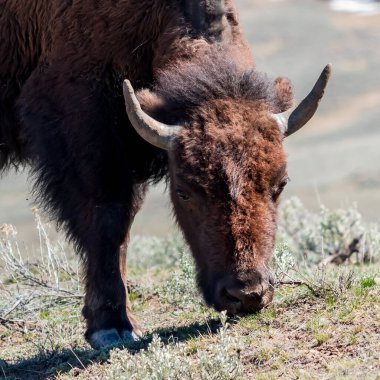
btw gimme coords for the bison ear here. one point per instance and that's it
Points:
(284, 94)
(157, 107)
(150, 102)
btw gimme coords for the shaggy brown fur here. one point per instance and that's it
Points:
(62, 112)
(233, 172)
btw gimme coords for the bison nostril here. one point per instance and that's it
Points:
(234, 295)
(231, 297)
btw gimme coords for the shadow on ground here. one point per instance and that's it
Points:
(46, 365)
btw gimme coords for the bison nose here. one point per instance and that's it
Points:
(242, 296)
(240, 299)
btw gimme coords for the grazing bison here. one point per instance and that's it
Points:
(202, 116)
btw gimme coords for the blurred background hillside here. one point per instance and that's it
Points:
(335, 160)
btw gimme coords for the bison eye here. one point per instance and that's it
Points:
(182, 194)
(279, 188)
(284, 183)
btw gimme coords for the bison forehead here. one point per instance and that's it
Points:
(230, 157)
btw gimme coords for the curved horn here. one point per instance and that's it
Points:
(295, 118)
(158, 134)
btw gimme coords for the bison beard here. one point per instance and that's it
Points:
(202, 116)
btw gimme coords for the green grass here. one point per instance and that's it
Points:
(324, 321)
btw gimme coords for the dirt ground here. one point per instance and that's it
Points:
(299, 336)
(336, 159)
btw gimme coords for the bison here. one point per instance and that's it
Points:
(194, 110)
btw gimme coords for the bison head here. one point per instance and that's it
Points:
(227, 169)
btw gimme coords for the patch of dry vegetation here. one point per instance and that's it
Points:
(323, 323)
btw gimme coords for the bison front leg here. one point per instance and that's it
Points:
(107, 310)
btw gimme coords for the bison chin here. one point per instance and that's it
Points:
(245, 293)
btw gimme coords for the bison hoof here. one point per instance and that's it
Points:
(132, 336)
(110, 338)
(104, 338)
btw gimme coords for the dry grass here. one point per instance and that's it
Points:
(323, 323)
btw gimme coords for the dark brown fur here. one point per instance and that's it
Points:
(62, 112)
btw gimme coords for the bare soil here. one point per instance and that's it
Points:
(299, 336)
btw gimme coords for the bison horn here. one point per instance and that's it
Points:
(154, 132)
(295, 118)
